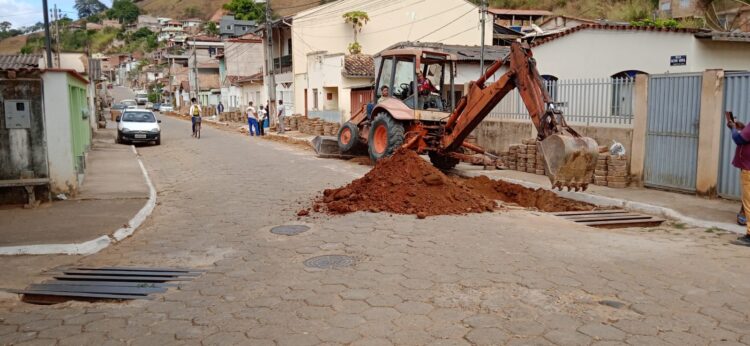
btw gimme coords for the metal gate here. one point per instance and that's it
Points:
(674, 102)
(736, 100)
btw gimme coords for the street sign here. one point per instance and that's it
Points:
(678, 60)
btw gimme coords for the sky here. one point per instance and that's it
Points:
(27, 12)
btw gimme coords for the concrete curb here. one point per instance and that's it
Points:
(145, 211)
(100, 243)
(624, 204)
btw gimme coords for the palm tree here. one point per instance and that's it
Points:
(357, 19)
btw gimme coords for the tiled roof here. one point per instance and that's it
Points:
(19, 61)
(512, 12)
(258, 77)
(359, 65)
(542, 39)
(725, 36)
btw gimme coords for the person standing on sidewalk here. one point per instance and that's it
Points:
(262, 114)
(219, 108)
(252, 120)
(282, 114)
(741, 137)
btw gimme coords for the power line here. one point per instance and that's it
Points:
(446, 24)
(376, 14)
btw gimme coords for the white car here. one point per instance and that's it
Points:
(164, 107)
(138, 125)
(141, 98)
(129, 104)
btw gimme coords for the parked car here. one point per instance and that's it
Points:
(138, 125)
(165, 107)
(141, 98)
(116, 110)
(129, 104)
(155, 106)
(149, 105)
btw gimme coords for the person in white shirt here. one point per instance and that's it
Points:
(262, 114)
(282, 114)
(252, 120)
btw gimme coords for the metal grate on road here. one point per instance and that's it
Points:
(105, 283)
(610, 218)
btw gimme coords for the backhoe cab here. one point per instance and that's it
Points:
(422, 113)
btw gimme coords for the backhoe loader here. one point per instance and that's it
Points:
(431, 120)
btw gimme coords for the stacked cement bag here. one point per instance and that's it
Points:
(617, 171)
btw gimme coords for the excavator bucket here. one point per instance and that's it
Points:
(569, 161)
(326, 146)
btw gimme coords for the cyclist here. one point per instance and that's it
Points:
(195, 112)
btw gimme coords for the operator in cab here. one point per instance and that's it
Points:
(424, 89)
(384, 93)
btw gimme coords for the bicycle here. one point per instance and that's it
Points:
(197, 128)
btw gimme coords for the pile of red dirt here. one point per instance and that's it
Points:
(404, 184)
(507, 192)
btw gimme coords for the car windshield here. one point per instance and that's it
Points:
(139, 117)
(129, 103)
(118, 106)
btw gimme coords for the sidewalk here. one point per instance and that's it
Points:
(689, 209)
(113, 191)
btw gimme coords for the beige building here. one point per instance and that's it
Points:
(322, 30)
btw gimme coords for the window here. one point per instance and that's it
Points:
(315, 99)
(229, 27)
(622, 92)
(386, 72)
(329, 96)
(403, 81)
(685, 3)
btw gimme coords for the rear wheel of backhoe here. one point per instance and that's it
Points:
(442, 162)
(348, 137)
(386, 136)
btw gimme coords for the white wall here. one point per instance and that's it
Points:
(62, 171)
(602, 53)
(391, 21)
(242, 58)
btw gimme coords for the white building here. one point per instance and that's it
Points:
(323, 30)
(242, 57)
(602, 51)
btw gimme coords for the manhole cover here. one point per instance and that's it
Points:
(289, 229)
(330, 262)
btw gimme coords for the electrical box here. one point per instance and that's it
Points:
(17, 114)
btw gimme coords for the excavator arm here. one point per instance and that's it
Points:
(570, 159)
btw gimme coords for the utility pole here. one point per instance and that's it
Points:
(270, 64)
(195, 71)
(483, 9)
(47, 41)
(57, 34)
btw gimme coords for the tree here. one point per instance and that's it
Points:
(124, 10)
(88, 8)
(711, 16)
(357, 19)
(246, 10)
(5, 26)
(212, 29)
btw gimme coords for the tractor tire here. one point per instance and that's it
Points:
(442, 162)
(348, 137)
(386, 136)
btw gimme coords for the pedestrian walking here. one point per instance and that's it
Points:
(263, 114)
(219, 108)
(282, 114)
(252, 120)
(741, 137)
(195, 113)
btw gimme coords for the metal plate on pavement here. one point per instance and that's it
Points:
(330, 262)
(289, 229)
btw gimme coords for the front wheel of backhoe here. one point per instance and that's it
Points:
(386, 136)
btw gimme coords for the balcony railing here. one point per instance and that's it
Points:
(282, 64)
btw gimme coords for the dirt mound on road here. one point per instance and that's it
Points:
(529, 198)
(404, 184)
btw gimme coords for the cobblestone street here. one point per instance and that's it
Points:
(509, 277)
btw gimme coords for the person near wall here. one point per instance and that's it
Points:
(281, 115)
(262, 114)
(252, 120)
(219, 108)
(741, 137)
(195, 113)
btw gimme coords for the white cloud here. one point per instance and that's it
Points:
(21, 13)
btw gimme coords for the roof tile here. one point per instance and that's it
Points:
(359, 65)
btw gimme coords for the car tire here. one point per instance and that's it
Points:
(118, 139)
